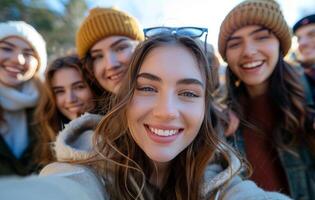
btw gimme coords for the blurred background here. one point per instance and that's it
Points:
(58, 20)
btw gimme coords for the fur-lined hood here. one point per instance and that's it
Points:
(75, 141)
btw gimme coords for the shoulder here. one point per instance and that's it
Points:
(75, 141)
(229, 186)
(245, 189)
(56, 181)
(82, 175)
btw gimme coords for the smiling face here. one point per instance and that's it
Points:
(111, 57)
(167, 108)
(73, 96)
(306, 40)
(252, 54)
(18, 62)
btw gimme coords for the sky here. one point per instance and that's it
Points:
(203, 13)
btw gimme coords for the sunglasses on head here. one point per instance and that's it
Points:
(190, 31)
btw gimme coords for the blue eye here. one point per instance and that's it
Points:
(188, 94)
(263, 37)
(6, 49)
(233, 45)
(58, 92)
(146, 89)
(121, 48)
(96, 57)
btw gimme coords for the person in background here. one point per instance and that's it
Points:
(275, 132)
(68, 95)
(22, 54)
(105, 41)
(304, 30)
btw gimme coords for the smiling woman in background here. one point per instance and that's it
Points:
(22, 54)
(68, 95)
(267, 95)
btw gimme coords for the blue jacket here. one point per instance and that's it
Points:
(299, 168)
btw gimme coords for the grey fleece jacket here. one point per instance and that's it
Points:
(74, 143)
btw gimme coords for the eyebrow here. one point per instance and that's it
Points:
(74, 83)
(13, 45)
(111, 45)
(185, 81)
(251, 33)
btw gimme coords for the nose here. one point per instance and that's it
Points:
(249, 49)
(71, 97)
(166, 107)
(111, 61)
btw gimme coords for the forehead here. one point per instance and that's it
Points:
(246, 30)
(171, 61)
(305, 30)
(65, 75)
(108, 42)
(17, 42)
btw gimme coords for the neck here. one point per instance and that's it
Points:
(257, 90)
(160, 174)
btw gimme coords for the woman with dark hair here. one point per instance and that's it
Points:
(266, 94)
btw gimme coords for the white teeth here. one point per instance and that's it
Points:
(252, 64)
(114, 77)
(161, 132)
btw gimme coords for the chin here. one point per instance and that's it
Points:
(160, 158)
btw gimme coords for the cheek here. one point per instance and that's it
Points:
(4, 55)
(85, 95)
(32, 65)
(195, 114)
(125, 56)
(273, 52)
(97, 67)
(232, 59)
(59, 101)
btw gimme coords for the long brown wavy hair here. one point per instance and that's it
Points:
(102, 96)
(124, 165)
(48, 118)
(294, 116)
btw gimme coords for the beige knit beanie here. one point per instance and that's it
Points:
(105, 22)
(29, 34)
(265, 13)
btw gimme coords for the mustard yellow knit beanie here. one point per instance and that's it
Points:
(105, 22)
(265, 13)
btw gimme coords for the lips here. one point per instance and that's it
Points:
(252, 65)
(74, 108)
(13, 71)
(164, 133)
(117, 76)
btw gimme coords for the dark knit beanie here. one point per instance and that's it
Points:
(265, 13)
(105, 22)
(310, 19)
